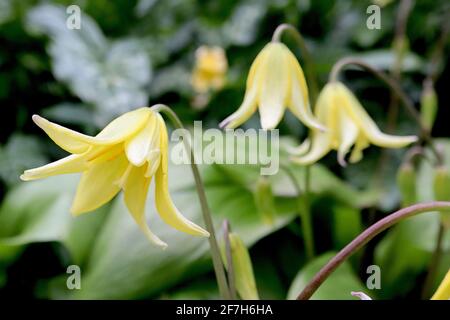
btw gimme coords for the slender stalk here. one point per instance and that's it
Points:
(304, 210)
(425, 134)
(215, 251)
(435, 260)
(309, 66)
(364, 238)
(229, 257)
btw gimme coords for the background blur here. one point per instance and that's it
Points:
(128, 54)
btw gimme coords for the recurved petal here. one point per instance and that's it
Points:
(321, 145)
(135, 194)
(245, 111)
(348, 133)
(368, 126)
(298, 103)
(361, 144)
(67, 139)
(274, 84)
(71, 164)
(99, 184)
(166, 209)
(301, 149)
(140, 145)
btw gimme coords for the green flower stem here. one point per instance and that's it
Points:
(229, 257)
(304, 210)
(309, 66)
(425, 134)
(215, 251)
(364, 238)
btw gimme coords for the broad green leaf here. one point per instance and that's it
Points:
(337, 286)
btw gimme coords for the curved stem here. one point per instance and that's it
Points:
(409, 105)
(215, 252)
(364, 238)
(309, 66)
(304, 210)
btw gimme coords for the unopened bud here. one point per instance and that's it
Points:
(265, 201)
(406, 182)
(428, 106)
(442, 190)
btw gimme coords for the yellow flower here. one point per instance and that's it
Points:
(125, 155)
(348, 124)
(275, 81)
(210, 69)
(443, 292)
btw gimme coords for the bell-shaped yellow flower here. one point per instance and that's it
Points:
(125, 155)
(443, 291)
(275, 81)
(210, 69)
(348, 125)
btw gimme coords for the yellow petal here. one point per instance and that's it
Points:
(274, 85)
(67, 139)
(71, 164)
(124, 126)
(443, 291)
(166, 209)
(320, 146)
(348, 133)
(248, 106)
(299, 101)
(99, 184)
(368, 126)
(361, 144)
(301, 149)
(135, 194)
(139, 146)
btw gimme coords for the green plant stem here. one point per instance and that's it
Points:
(304, 210)
(229, 257)
(425, 134)
(309, 65)
(215, 251)
(364, 238)
(434, 264)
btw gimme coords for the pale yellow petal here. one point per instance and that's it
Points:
(348, 134)
(67, 139)
(301, 149)
(71, 164)
(139, 146)
(135, 195)
(361, 144)
(298, 102)
(443, 291)
(320, 146)
(166, 209)
(368, 126)
(274, 85)
(99, 184)
(245, 111)
(124, 126)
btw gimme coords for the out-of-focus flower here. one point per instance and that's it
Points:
(275, 81)
(441, 188)
(210, 69)
(125, 155)
(443, 291)
(360, 295)
(348, 124)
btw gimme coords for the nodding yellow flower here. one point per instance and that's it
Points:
(125, 155)
(210, 68)
(348, 125)
(443, 291)
(275, 81)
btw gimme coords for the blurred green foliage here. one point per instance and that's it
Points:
(140, 52)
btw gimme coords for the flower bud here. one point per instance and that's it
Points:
(406, 182)
(265, 201)
(428, 106)
(442, 190)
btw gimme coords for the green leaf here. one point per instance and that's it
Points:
(337, 286)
